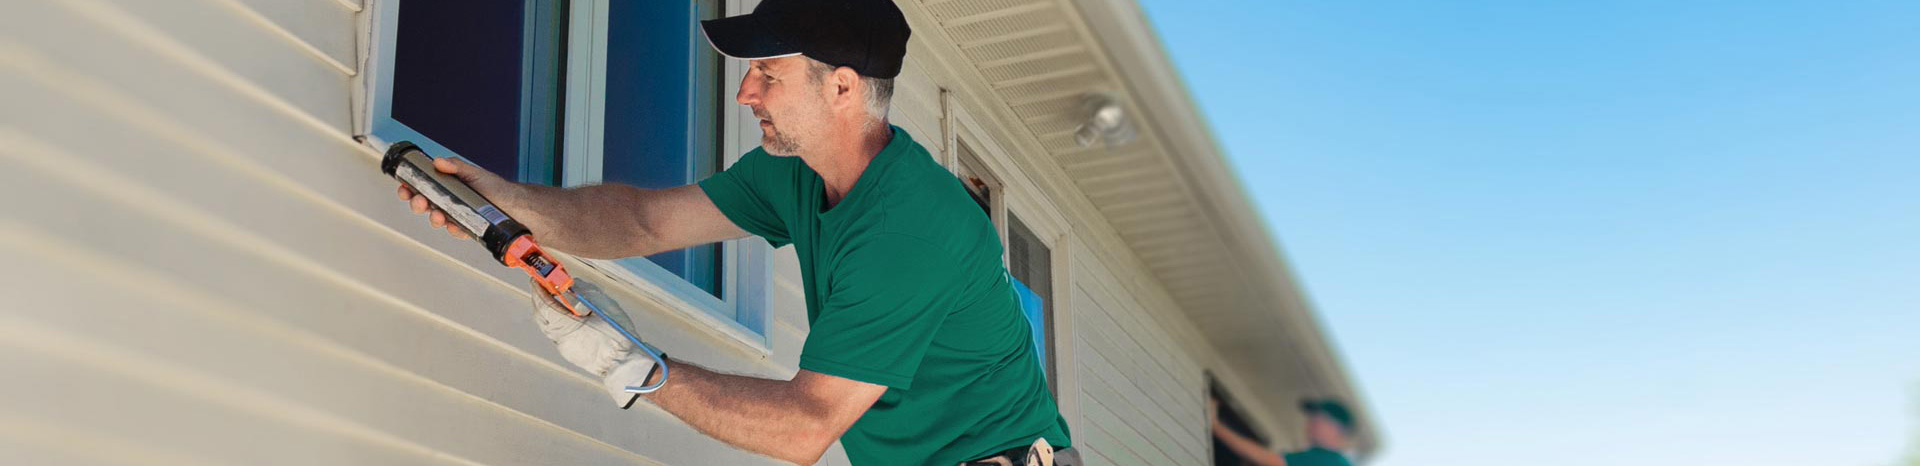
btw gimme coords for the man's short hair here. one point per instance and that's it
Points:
(879, 91)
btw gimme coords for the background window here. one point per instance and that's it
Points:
(570, 92)
(479, 79)
(1233, 418)
(662, 115)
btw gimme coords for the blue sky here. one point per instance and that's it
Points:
(1585, 233)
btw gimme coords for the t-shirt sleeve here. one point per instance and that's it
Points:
(888, 297)
(751, 194)
(1314, 457)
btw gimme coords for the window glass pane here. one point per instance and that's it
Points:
(1031, 264)
(1230, 416)
(662, 111)
(480, 77)
(1034, 307)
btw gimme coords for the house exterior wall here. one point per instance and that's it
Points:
(211, 270)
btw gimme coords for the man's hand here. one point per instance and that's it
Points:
(1249, 449)
(484, 182)
(1213, 411)
(593, 345)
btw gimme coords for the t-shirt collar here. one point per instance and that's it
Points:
(875, 168)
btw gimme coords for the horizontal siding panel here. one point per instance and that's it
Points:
(168, 344)
(1130, 443)
(1138, 356)
(917, 97)
(325, 27)
(1130, 358)
(333, 239)
(276, 299)
(1098, 448)
(331, 174)
(145, 51)
(1148, 417)
(1147, 412)
(88, 412)
(481, 304)
(1126, 309)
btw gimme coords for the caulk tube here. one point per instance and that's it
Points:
(464, 206)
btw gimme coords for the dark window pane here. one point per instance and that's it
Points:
(1234, 420)
(481, 78)
(662, 111)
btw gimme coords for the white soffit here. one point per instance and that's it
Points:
(1169, 195)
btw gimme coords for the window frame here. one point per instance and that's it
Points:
(745, 265)
(1013, 193)
(1236, 415)
(380, 128)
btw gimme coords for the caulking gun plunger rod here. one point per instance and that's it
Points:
(509, 241)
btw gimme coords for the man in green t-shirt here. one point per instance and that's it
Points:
(1330, 430)
(917, 353)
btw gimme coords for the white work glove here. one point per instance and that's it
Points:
(593, 345)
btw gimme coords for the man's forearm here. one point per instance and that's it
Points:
(1247, 448)
(598, 221)
(760, 415)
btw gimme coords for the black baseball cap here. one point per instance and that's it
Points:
(1332, 408)
(869, 36)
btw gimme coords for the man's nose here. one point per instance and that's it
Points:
(746, 96)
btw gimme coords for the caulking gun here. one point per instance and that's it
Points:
(509, 241)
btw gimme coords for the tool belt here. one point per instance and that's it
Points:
(1039, 454)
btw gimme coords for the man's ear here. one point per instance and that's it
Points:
(845, 87)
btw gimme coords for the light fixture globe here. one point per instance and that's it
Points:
(1103, 121)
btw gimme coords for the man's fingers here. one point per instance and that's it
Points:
(448, 165)
(453, 166)
(470, 173)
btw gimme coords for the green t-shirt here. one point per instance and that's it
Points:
(1316, 456)
(904, 288)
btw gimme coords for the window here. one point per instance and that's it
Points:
(1029, 259)
(1030, 262)
(1233, 418)
(657, 116)
(495, 103)
(570, 93)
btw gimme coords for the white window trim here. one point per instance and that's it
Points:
(745, 265)
(381, 129)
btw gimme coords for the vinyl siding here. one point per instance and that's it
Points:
(208, 269)
(221, 274)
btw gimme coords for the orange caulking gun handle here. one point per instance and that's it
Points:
(550, 274)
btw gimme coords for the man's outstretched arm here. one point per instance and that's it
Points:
(793, 420)
(600, 221)
(1248, 448)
